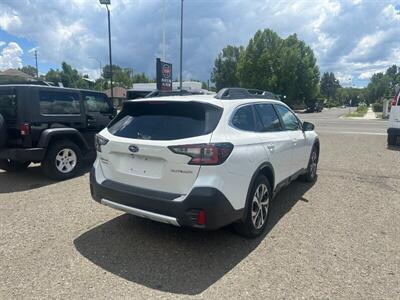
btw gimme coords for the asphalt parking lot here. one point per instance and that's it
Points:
(338, 238)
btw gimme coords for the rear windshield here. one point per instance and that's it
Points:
(8, 104)
(165, 120)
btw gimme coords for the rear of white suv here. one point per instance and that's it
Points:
(201, 162)
(394, 122)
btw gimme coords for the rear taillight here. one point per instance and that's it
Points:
(205, 154)
(25, 129)
(100, 141)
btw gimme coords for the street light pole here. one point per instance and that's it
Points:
(109, 51)
(108, 2)
(180, 72)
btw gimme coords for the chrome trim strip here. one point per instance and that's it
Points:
(141, 213)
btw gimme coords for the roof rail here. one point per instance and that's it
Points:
(243, 93)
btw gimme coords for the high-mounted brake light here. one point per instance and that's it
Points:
(205, 154)
(25, 129)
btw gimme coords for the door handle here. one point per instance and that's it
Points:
(294, 142)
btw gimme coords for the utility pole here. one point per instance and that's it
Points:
(108, 2)
(37, 70)
(180, 72)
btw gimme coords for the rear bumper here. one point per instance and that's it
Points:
(162, 207)
(23, 155)
(393, 131)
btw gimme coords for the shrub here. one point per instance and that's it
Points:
(377, 107)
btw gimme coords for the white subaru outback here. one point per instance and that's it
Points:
(202, 161)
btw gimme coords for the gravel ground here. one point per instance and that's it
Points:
(338, 239)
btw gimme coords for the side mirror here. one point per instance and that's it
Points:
(307, 126)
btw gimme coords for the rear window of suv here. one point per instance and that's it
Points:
(168, 120)
(8, 104)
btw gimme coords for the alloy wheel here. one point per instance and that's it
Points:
(66, 160)
(260, 206)
(313, 164)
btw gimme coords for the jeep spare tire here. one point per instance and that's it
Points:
(3, 131)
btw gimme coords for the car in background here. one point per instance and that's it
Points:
(201, 161)
(316, 107)
(53, 126)
(394, 122)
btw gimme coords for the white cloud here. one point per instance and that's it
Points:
(8, 21)
(10, 56)
(349, 37)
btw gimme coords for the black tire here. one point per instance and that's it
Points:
(391, 139)
(311, 174)
(251, 227)
(65, 166)
(3, 131)
(13, 166)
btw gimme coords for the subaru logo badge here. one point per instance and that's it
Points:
(133, 148)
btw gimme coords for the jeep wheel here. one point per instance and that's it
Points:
(258, 207)
(311, 174)
(391, 139)
(62, 161)
(13, 166)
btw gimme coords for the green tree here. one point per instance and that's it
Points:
(224, 73)
(283, 66)
(141, 78)
(329, 85)
(30, 70)
(380, 85)
(121, 76)
(260, 62)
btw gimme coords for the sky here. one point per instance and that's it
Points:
(352, 38)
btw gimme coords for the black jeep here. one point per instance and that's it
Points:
(50, 125)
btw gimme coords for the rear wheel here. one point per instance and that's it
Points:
(62, 161)
(258, 207)
(391, 140)
(13, 166)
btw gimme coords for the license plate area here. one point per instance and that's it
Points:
(144, 166)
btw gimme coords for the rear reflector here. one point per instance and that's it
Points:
(201, 217)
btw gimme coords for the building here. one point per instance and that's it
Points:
(119, 95)
(15, 76)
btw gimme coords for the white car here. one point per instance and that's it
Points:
(202, 161)
(394, 122)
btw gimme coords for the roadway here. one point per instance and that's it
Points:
(336, 239)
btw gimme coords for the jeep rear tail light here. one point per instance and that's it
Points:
(205, 154)
(25, 129)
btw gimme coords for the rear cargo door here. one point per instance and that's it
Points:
(138, 153)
